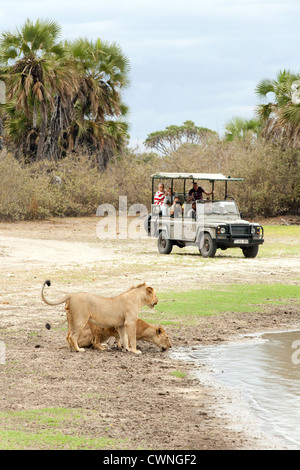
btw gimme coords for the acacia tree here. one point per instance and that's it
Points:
(170, 139)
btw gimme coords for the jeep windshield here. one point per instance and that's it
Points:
(219, 208)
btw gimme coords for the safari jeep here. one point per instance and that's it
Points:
(210, 225)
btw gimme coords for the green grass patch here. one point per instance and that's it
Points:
(185, 307)
(21, 440)
(178, 374)
(50, 428)
(280, 241)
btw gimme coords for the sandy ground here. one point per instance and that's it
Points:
(135, 400)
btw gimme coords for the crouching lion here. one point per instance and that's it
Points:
(119, 312)
(93, 335)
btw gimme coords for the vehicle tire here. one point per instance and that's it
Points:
(250, 251)
(147, 224)
(208, 246)
(164, 244)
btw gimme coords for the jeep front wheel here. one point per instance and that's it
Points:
(250, 251)
(208, 246)
(164, 244)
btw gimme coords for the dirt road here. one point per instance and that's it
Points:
(134, 402)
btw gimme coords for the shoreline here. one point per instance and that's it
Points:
(230, 404)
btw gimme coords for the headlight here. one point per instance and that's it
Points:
(255, 230)
(221, 229)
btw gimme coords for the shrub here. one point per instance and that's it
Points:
(29, 192)
(271, 186)
(16, 190)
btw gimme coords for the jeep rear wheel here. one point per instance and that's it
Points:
(250, 251)
(147, 224)
(208, 246)
(164, 244)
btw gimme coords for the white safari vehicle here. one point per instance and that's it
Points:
(208, 224)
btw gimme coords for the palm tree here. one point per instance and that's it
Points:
(279, 112)
(68, 94)
(30, 60)
(99, 117)
(238, 128)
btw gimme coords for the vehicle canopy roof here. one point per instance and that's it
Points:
(195, 176)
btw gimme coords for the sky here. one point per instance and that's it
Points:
(189, 60)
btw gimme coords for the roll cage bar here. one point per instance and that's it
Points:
(211, 177)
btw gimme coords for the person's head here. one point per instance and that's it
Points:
(176, 200)
(161, 187)
(194, 205)
(195, 185)
(169, 191)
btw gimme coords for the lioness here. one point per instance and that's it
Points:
(118, 312)
(93, 335)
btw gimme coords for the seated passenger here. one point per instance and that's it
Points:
(159, 197)
(192, 211)
(167, 202)
(176, 209)
(168, 198)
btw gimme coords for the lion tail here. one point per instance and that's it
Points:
(49, 302)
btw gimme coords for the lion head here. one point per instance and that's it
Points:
(151, 298)
(161, 338)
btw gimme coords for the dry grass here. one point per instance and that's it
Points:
(271, 186)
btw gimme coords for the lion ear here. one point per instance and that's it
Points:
(149, 289)
(159, 330)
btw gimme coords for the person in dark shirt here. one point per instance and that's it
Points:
(196, 193)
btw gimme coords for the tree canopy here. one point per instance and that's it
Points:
(62, 96)
(238, 127)
(280, 108)
(170, 139)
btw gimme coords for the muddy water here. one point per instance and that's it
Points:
(266, 371)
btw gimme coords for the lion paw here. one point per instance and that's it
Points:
(136, 351)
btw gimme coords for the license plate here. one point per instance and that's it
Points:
(241, 241)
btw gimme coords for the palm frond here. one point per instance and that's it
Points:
(263, 88)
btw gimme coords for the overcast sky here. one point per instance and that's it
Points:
(190, 59)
